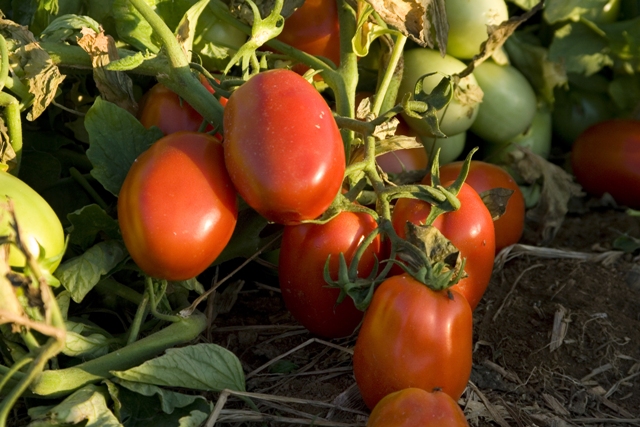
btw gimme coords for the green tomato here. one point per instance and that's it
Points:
(216, 41)
(508, 106)
(450, 148)
(606, 14)
(468, 22)
(39, 226)
(456, 117)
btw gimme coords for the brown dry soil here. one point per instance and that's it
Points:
(557, 342)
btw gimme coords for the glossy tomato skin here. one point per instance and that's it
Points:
(39, 225)
(413, 407)
(177, 206)
(470, 229)
(483, 177)
(314, 28)
(163, 108)
(412, 336)
(282, 147)
(606, 159)
(303, 254)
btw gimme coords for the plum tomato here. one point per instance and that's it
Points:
(177, 206)
(486, 176)
(470, 229)
(162, 107)
(413, 336)
(413, 407)
(606, 159)
(303, 254)
(282, 147)
(461, 112)
(40, 227)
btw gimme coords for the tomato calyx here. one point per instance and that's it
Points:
(262, 31)
(425, 106)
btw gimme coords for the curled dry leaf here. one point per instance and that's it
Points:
(558, 187)
(42, 76)
(496, 201)
(114, 86)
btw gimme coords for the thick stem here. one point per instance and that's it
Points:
(382, 97)
(14, 124)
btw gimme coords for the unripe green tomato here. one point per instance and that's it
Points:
(468, 20)
(606, 14)
(508, 105)
(450, 148)
(536, 138)
(39, 225)
(458, 116)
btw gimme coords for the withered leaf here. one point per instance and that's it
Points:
(114, 86)
(496, 201)
(432, 242)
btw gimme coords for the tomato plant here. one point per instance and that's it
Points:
(470, 229)
(162, 107)
(413, 407)
(177, 206)
(508, 105)
(282, 147)
(468, 21)
(314, 28)
(606, 159)
(303, 254)
(40, 227)
(413, 336)
(461, 112)
(486, 176)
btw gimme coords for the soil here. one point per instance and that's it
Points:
(557, 340)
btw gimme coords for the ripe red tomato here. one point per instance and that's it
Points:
(163, 108)
(303, 254)
(282, 147)
(413, 336)
(314, 28)
(485, 176)
(413, 407)
(470, 229)
(606, 159)
(177, 206)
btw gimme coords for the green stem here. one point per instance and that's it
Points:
(382, 94)
(4, 62)
(113, 287)
(14, 370)
(53, 384)
(80, 179)
(141, 313)
(180, 79)
(14, 124)
(153, 303)
(30, 340)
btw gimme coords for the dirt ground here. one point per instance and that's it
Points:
(557, 341)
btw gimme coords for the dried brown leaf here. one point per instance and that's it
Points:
(114, 86)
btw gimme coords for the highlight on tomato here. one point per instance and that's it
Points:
(413, 336)
(282, 147)
(469, 228)
(40, 227)
(177, 206)
(606, 159)
(303, 253)
(413, 407)
(483, 177)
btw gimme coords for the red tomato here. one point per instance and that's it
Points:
(303, 255)
(413, 336)
(606, 159)
(413, 407)
(282, 147)
(485, 176)
(177, 206)
(470, 229)
(163, 108)
(313, 28)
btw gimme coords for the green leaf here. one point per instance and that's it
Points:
(628, 244)
(582, 48)
(625, 91)
(87, 222)
(525, 4)
(624, 42)
(88, 405)
(63, 27)
(80, 342)
(194, 419)
(169, 400)
(186, 31)
(80, 274)
(563, 10)
(117, 138)
(127, 63)
(200, 367)
(283, 367)
(245, 240)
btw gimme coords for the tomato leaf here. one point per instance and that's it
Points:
(570, 10)
(627, 244)
(198, 367)
(87, 405)
(117, 138)
(496, 201)
(67, 27)
(186, 31)
(581, 47)
(87, 222)
(80, 342)
(625, 91)
(170, 400)
(80, 274)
